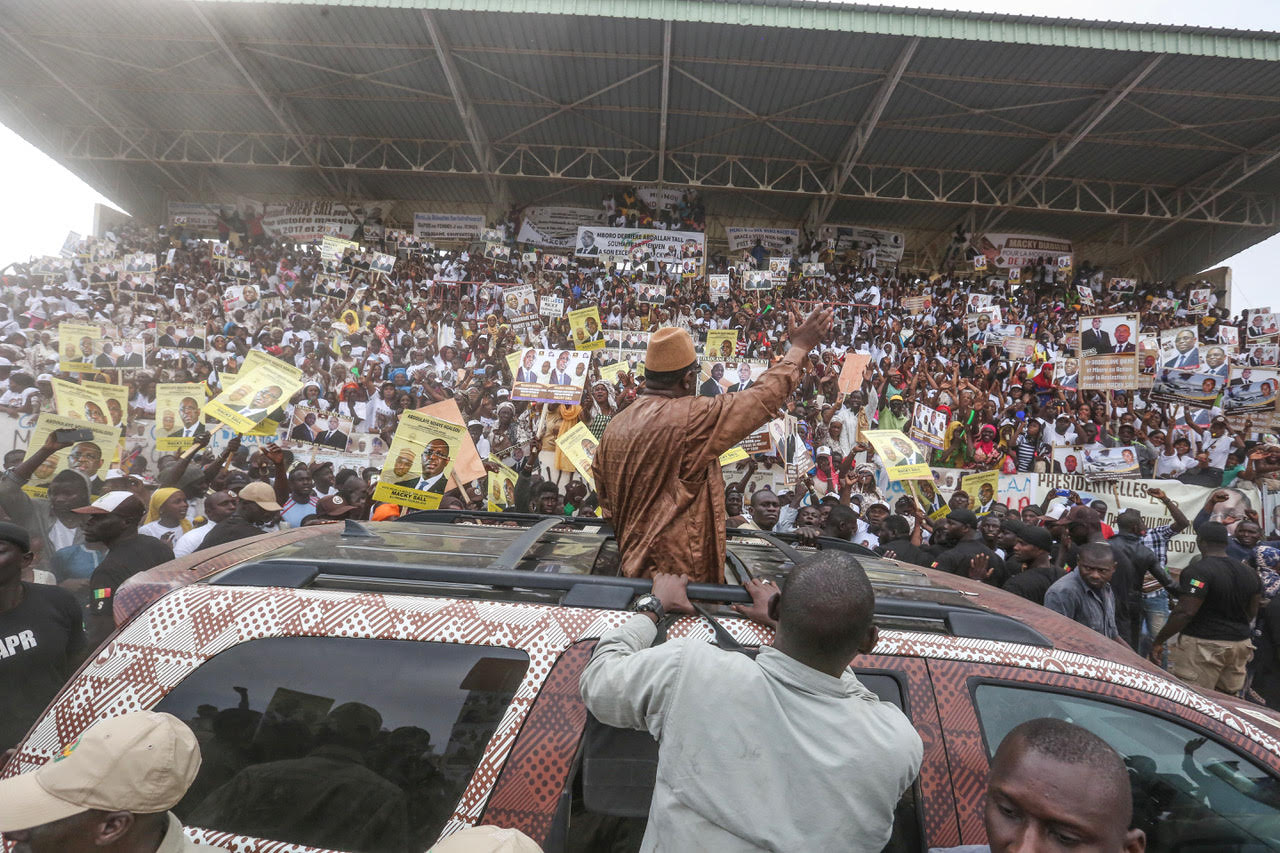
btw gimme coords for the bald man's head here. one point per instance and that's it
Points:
(1051, 778)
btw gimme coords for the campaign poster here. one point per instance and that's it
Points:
(1122, 286)
(115, 399)
(551, 306)
(1148, 354)
(928, 426)
(497, 252)
(79, 402)
(757, 280)
(502, 488)
(140, 262)
(1198, 300)
(178, 414)
(129, 354)
(917, 304)
(240, 296)
(1261, 355)
(240, 269)
(92, 456)
(789, 447)
(1253, 391)
(979, 263)
(550, 376)
(1109, 350)
(419, 461)
(718, 285)
(333, 249)
(927, 497)
(1019, 349)
(586, 329)
(982, 489)
(651, 293)
(812, 270)
(579, 445)
(311, 426)
(721, 344)
(901, 457)
(382, 264)
(851, 372)
(1229, 336)
(1180, 348)
(520, 304)
(722, 377)
(978, 302)
(1086, 296)
(1188, 388)
(75, 347)
(887, 245)
(1262, 326)
(1096, 463)
(260, 388)
(779, 268)
(1007, 250)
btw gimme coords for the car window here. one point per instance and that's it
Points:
(341, 743)
(1190, 793)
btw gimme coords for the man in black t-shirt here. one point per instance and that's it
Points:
(257, 509)
(1032, 548)
(959, 559)
(41, 638)
(1218, 599)
(112, 521)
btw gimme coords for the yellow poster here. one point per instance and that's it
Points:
(502, 488)
(114, 397)
(927, 498)
(732, 455)
(612, 372)
(76, 342)
(178, 419)
(79, 402)
(416, 471)
(580, 446)
(901, 457)
(584, 324)
(722, 344)
(91, 454)
(261, 387)
(981, 489)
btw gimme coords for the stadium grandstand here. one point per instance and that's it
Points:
(1153, 149)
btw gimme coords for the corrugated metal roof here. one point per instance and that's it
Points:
(981, 94)
(876, 20)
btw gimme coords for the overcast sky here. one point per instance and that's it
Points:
(46, 201)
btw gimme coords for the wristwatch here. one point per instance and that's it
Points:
(650, 603)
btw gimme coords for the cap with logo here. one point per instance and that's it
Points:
(262, 495)
(121, 503)
(141, 762)
(334, 506)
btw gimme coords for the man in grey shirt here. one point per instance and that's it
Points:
(787, 751)
(1085, 595)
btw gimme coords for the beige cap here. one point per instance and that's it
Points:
(670, 348)
(142, 762)
(261, 494)
(487, 839)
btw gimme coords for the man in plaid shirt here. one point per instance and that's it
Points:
(1155, 601)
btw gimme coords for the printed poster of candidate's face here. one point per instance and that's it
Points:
(901, 457)
(1252, 391)
(550, 376)
(75, 347)
(92, 457)
(721, 344)
(722, 377)
(1187, 388)
(502, 488)
(310, 426)
(1109, 351)
(1180, 349)
(928, 426)
(178, 418)
(579, 445)
(585, 326)
(422, 453)
(1094, 462)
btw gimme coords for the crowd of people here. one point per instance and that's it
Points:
(374, 340)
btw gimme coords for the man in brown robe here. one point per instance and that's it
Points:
(657, 468)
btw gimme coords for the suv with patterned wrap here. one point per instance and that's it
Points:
(374, 686)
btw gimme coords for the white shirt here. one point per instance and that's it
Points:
(831, 757)
(192, 539)
(1218, 448)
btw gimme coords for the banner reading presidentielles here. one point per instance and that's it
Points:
(1109, 350)
(416, 471)
(261, 386)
